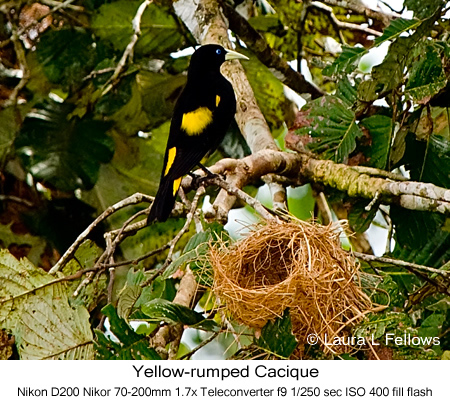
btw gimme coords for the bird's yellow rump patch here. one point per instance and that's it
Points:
(170, 159)
(176, 185)
(217, 100)
(195, 121)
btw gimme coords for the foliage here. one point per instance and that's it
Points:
(74, 142)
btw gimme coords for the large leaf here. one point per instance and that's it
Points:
(8, 126)
(359, 217)
(379, 127)
(18, 280)
(196, 247)
(396, 28)
(377, 325)
(158, 93)
(49, 328)
(414, 229)
(436, 168)
(129, 344)
(346, 62)
(389, 74)
(32, 246)
(90, 295)
(277, 337)
(426, 76)
(160, 31)
(434, 253)
(65, 153)
(162, 310)
(332, 125)
(66, 64)
(39, 315)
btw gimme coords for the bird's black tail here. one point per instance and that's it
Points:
(164, 201)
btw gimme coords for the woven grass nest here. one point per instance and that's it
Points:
(295, 265)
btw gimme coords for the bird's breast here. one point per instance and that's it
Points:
(195, 122)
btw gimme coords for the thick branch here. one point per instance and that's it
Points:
(302, 168)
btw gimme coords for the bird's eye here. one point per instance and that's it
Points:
(218, 51)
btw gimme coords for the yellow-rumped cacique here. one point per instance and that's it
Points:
(200, 120)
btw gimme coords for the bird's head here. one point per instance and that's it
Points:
(210, 57)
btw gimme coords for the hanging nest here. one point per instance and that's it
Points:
(295, 265)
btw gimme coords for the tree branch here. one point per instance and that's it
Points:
(341, 24)
(134, 199)
(128, 53)
(303, 168)
(256, 42)
(358, 7)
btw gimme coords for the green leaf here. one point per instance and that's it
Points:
(277, 337)
(160, 32)
(346, 91)
(346, 62)
(39, 315)
(66, 64)
(423, 8)
(414, 229)
(396, 28)
(49, 328)
(131, 346)
(163, 310)
(389, 74)
(379, 128)
(90, 295)
(426, 76)
(127, 299)
(332, 125)
(197, 246)
(437, 162)
(432, 325)
(18, 279)
(377, 325)
(359, 218)
(9, 239)
(434, 253)
(65, 153)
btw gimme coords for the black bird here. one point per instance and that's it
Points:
(201, 117)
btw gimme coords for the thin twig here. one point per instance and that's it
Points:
(401, 263)
(128, 53)
(190, 216)
(16, 199)
(201, 345)
(341, 24)
(139, 259)
(131, 200)
(21, 58)
(111, 247)
(252, 202)
(171, 245)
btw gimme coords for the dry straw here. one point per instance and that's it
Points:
(295, 265)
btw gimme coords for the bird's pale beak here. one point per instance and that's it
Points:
(233, 55)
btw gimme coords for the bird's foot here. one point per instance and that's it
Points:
(209, 174)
